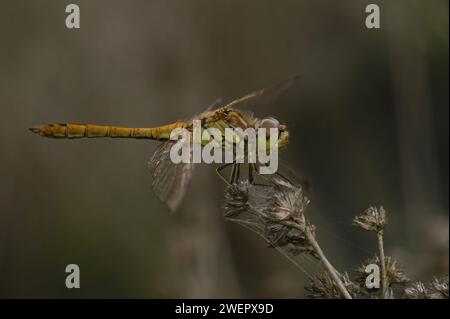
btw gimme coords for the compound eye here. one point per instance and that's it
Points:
(269, 123)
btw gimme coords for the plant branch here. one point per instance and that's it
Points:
(383, 264)
(328, 267)
(318, 250)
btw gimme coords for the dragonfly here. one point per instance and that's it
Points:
(171, 180)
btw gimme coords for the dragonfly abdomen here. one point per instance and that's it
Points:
(93, 130)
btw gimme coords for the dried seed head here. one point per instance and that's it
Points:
(440, 286)
(394, 273)
(417, 291)
(276, 211)
(373, 219)
(283, 217)
(287, 203)
(323, 287)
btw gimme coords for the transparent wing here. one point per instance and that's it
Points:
(286, 173)
(263, 96)
(294, 176)
(170, 180)
(215, 105)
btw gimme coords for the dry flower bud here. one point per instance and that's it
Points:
(373, 219)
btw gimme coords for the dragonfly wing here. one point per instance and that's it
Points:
(285, 173)
(170, 180)
(263, 96)
(215, 105)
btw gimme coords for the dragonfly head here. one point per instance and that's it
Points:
(283, 134)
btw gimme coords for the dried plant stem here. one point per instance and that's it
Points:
(328, 266)
(383, 264)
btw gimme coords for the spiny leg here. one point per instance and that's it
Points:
(233, 172)
(250, 172)
(253, 169)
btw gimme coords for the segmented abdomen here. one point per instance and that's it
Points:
(93, 130)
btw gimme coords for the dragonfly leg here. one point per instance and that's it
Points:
(233, 172)
(221, 168)
(252, 169)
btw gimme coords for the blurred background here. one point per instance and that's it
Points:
(368, 124)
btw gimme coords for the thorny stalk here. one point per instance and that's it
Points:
(326, 263)
(328, 267)
(384, 283)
